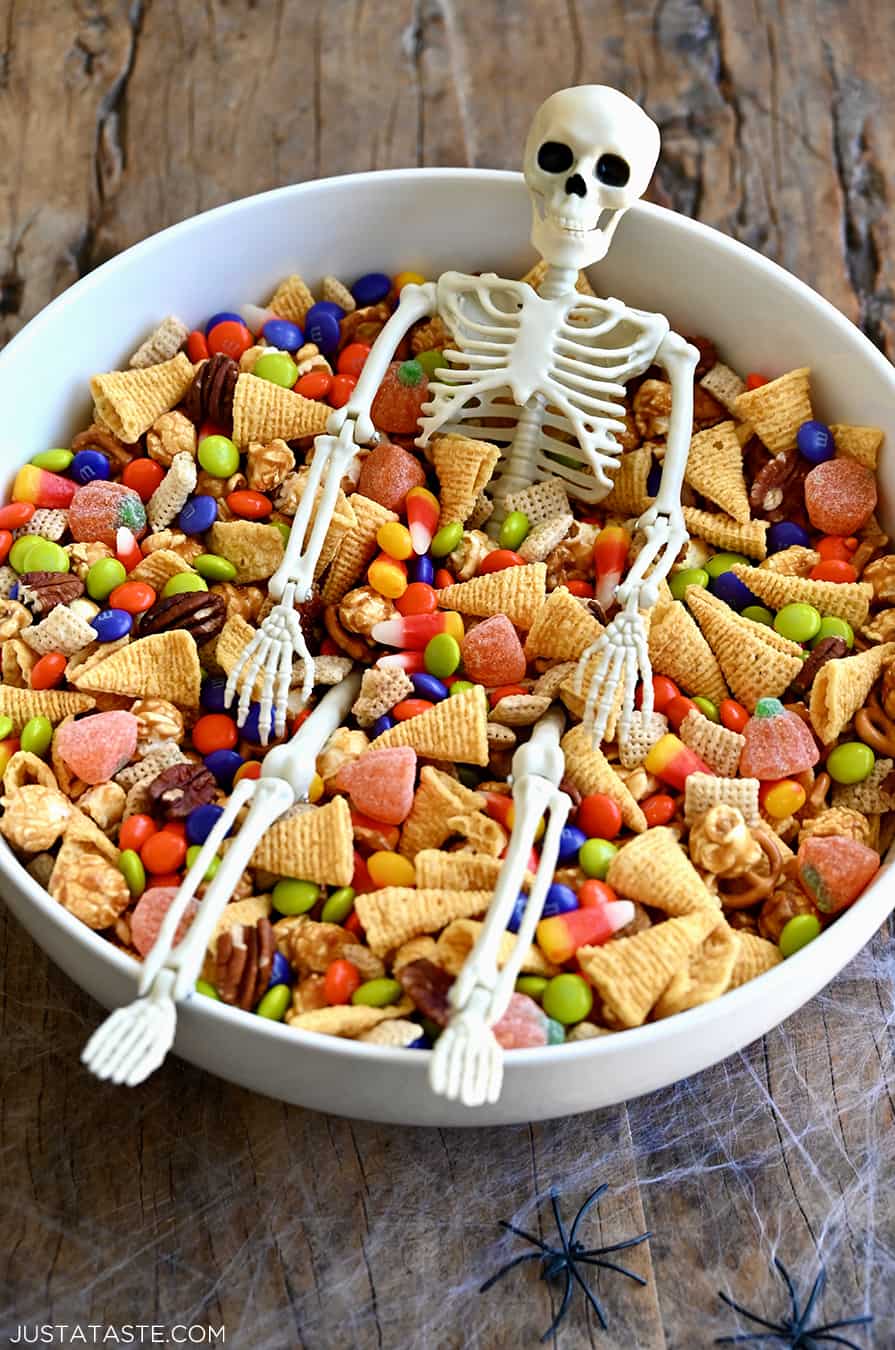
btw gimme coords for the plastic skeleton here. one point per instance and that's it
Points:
(132, 1042)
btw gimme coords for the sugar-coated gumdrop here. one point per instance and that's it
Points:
(399, 398)
(492, 653)
(778, 743)
(380, 783)
(840, 496)
(99, 509)
(149, 912)
(523, 1025)
(387, 475)
(97, 747)
(834, 870)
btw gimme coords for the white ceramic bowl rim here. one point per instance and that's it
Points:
(650, 1036)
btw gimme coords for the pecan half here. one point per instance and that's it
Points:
(201, 613)
(828, 649)
(777, 492)
(180, 789)
(210, 396)
(43, 591)
(243, 960)
(427, 985)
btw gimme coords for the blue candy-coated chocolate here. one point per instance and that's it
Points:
(324, 307)
(89, 465)
(570, 841)
(422, 569)
(515, 918)
(785, 534)
(280, 970)
(421, 1043)
(371, 288)
(201, 821)
(112, 624)
(212, 694)
(560, 899)
(429, 686)
(14, 591)
(732, 591)
(323, 329)
(198, 514)
(251, 727)
(224, 316)
(653, 480)
(224, 765)
(383, 723)
(815, 442)
(283, 334)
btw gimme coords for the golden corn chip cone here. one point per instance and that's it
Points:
(848, 600)
(396, 913)
(754, 956)
(752, 667)
(255, 549)
(859, 443)
(590, 771)
(655, 870)
(517, 592)
(163, 665)
(715, 470)
(679, 650)
(706, 977)
(717, 746)
(292, 299)
(461, 870)
(705, 790)
(701, 602)
(839, 821)
(841, 687)
(482, 834)
(22, 704)
(129, 401)
(158, 567)
(459, 938)
(437, 797)
(723, 532)
(562, 628)
(264, 411)
(795, 561)
(313, 845)
(348, 1021)
(455, 729)
(629, 496)
(630, 974)
(777, 409)
(357, 547)
(576, 703)
(463, 466)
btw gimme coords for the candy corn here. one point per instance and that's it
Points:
(673, 762)
(610, 555)
(560, 936)
(422, 511)
(414, 663)
(414, 631)
(43, 488)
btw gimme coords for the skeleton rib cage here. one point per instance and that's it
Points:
(569, 358)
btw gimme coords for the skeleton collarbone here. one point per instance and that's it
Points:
(565, 361)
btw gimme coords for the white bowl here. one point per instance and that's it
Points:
(434, 219)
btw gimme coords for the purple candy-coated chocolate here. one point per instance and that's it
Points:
(429, 686)
(785, 534)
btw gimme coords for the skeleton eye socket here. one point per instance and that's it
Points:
(554, 157)
(612, 171)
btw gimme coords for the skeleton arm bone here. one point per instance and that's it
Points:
(663, 523)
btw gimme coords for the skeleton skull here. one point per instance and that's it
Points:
(590, 154)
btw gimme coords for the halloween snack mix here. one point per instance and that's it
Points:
(718, 837)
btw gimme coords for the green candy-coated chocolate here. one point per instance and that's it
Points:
(103, 576)
(797, 622)
(377, 993)
(513, 530)
(338, 906)
(213, 567)
(442, 655)
(532, 985)
(278, 368)
(33, 553)
(218, 456)
(37, 733)
(5, 727)
(707, 708)
(568, 998)
(594, 857)
(283, 529)
(758, 614)
(182, 582)
(687, 576)
(131, 868)
(192, 854)
(722, 562)
(833, 627)
(460, 687)
(295, 897)
(207, 990)
(56, 461)
(274, 1003)
(851, 762)
(446, 540)
(798, 932)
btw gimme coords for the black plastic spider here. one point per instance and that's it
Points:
(793, 1332)
(563, 1260)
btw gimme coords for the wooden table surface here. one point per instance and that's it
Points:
(186, 1200)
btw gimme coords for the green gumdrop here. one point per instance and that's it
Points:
(447, 539)
(798, 932)
(410, 373)
(769, 707)
(513, 530)
(688, 576)
(723, 562)
(430, 361)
